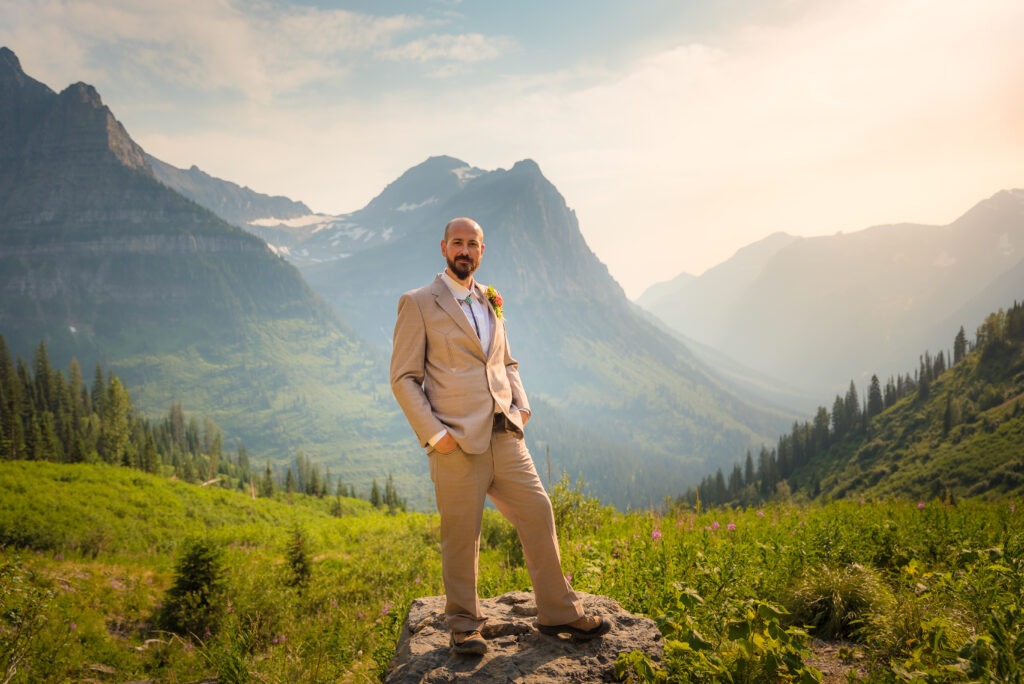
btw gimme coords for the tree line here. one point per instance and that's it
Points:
(770, 474)
(50, 415)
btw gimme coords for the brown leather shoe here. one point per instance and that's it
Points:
(602, 627)
(468, 643)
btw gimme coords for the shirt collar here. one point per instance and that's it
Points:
(457, 290)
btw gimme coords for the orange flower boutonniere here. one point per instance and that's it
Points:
(494, 297)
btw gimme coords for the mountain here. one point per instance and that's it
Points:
(398, 209)
(106, 263)
(952, 428)
(585, 351)
(235, 204)
(820, 311)
(964, 433)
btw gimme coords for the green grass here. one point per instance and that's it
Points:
(715, 581)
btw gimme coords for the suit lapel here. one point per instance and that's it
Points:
(481, 292)
(444, 298)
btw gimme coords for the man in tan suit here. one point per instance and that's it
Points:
(459, 387)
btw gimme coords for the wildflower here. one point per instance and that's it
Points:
(359, 616)
(568, 578)
(207, 633)
(655, 534)
(415, 581)
(72, 626)
(760, 514)
(188, 645)
(1013, 507)
(385, 610)
(731, 526)
(920, 505)
(862, 502)
(715, 525)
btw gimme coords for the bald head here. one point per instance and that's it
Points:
(462, 247)
(463, 222)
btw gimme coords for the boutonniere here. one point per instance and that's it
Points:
(494, 297)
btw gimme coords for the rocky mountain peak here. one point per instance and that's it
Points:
(428, 183)
(10, 67)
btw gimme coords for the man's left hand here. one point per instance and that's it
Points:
(525, 415)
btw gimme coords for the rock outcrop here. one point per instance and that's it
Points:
(517, 652)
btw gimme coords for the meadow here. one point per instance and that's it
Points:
(309, 589)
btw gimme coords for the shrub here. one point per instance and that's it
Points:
(196, 601)
(300, 565)
(835, 602)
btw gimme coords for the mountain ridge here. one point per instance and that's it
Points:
(829, 308)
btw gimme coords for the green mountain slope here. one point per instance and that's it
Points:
(965, 434)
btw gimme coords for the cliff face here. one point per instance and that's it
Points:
(106, 263)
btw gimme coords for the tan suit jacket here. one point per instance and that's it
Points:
(440, 375)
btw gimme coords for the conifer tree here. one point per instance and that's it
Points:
(959, 346)
(838, 418)
(289, 481)
(243, 463)
(748, 470)
(375, 494)
(115, 425)
(876, 404)
(99, 390)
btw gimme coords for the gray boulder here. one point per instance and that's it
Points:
(517, 652)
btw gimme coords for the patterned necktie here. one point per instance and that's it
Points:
(468, 302)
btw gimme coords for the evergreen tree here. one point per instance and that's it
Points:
(243, 463)
(267, 483)
(748, 470)
(99, 390)
(890, 392)
(947, 416)
(735, 483)
(819, 432)
(959, 346)
(289, 482)
(838, 418)
(300, 564)
(375, 495)
(852, 407)
(114, 431)
(876, 404)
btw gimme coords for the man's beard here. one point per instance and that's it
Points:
(462, 267)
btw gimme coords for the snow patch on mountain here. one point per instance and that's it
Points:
(406, 206)
(467, 173)
(299, 222)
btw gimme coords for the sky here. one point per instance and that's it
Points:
(679, 131)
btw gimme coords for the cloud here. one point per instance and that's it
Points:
(470, 47)
(258, 49)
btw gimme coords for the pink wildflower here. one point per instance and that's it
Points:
(920, 505)
(715, 525)
(72, 626)
(731, 526)
(656, 534)
(760, 514)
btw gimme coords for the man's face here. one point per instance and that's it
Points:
(462, 248)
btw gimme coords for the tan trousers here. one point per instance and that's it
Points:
(505, 472)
